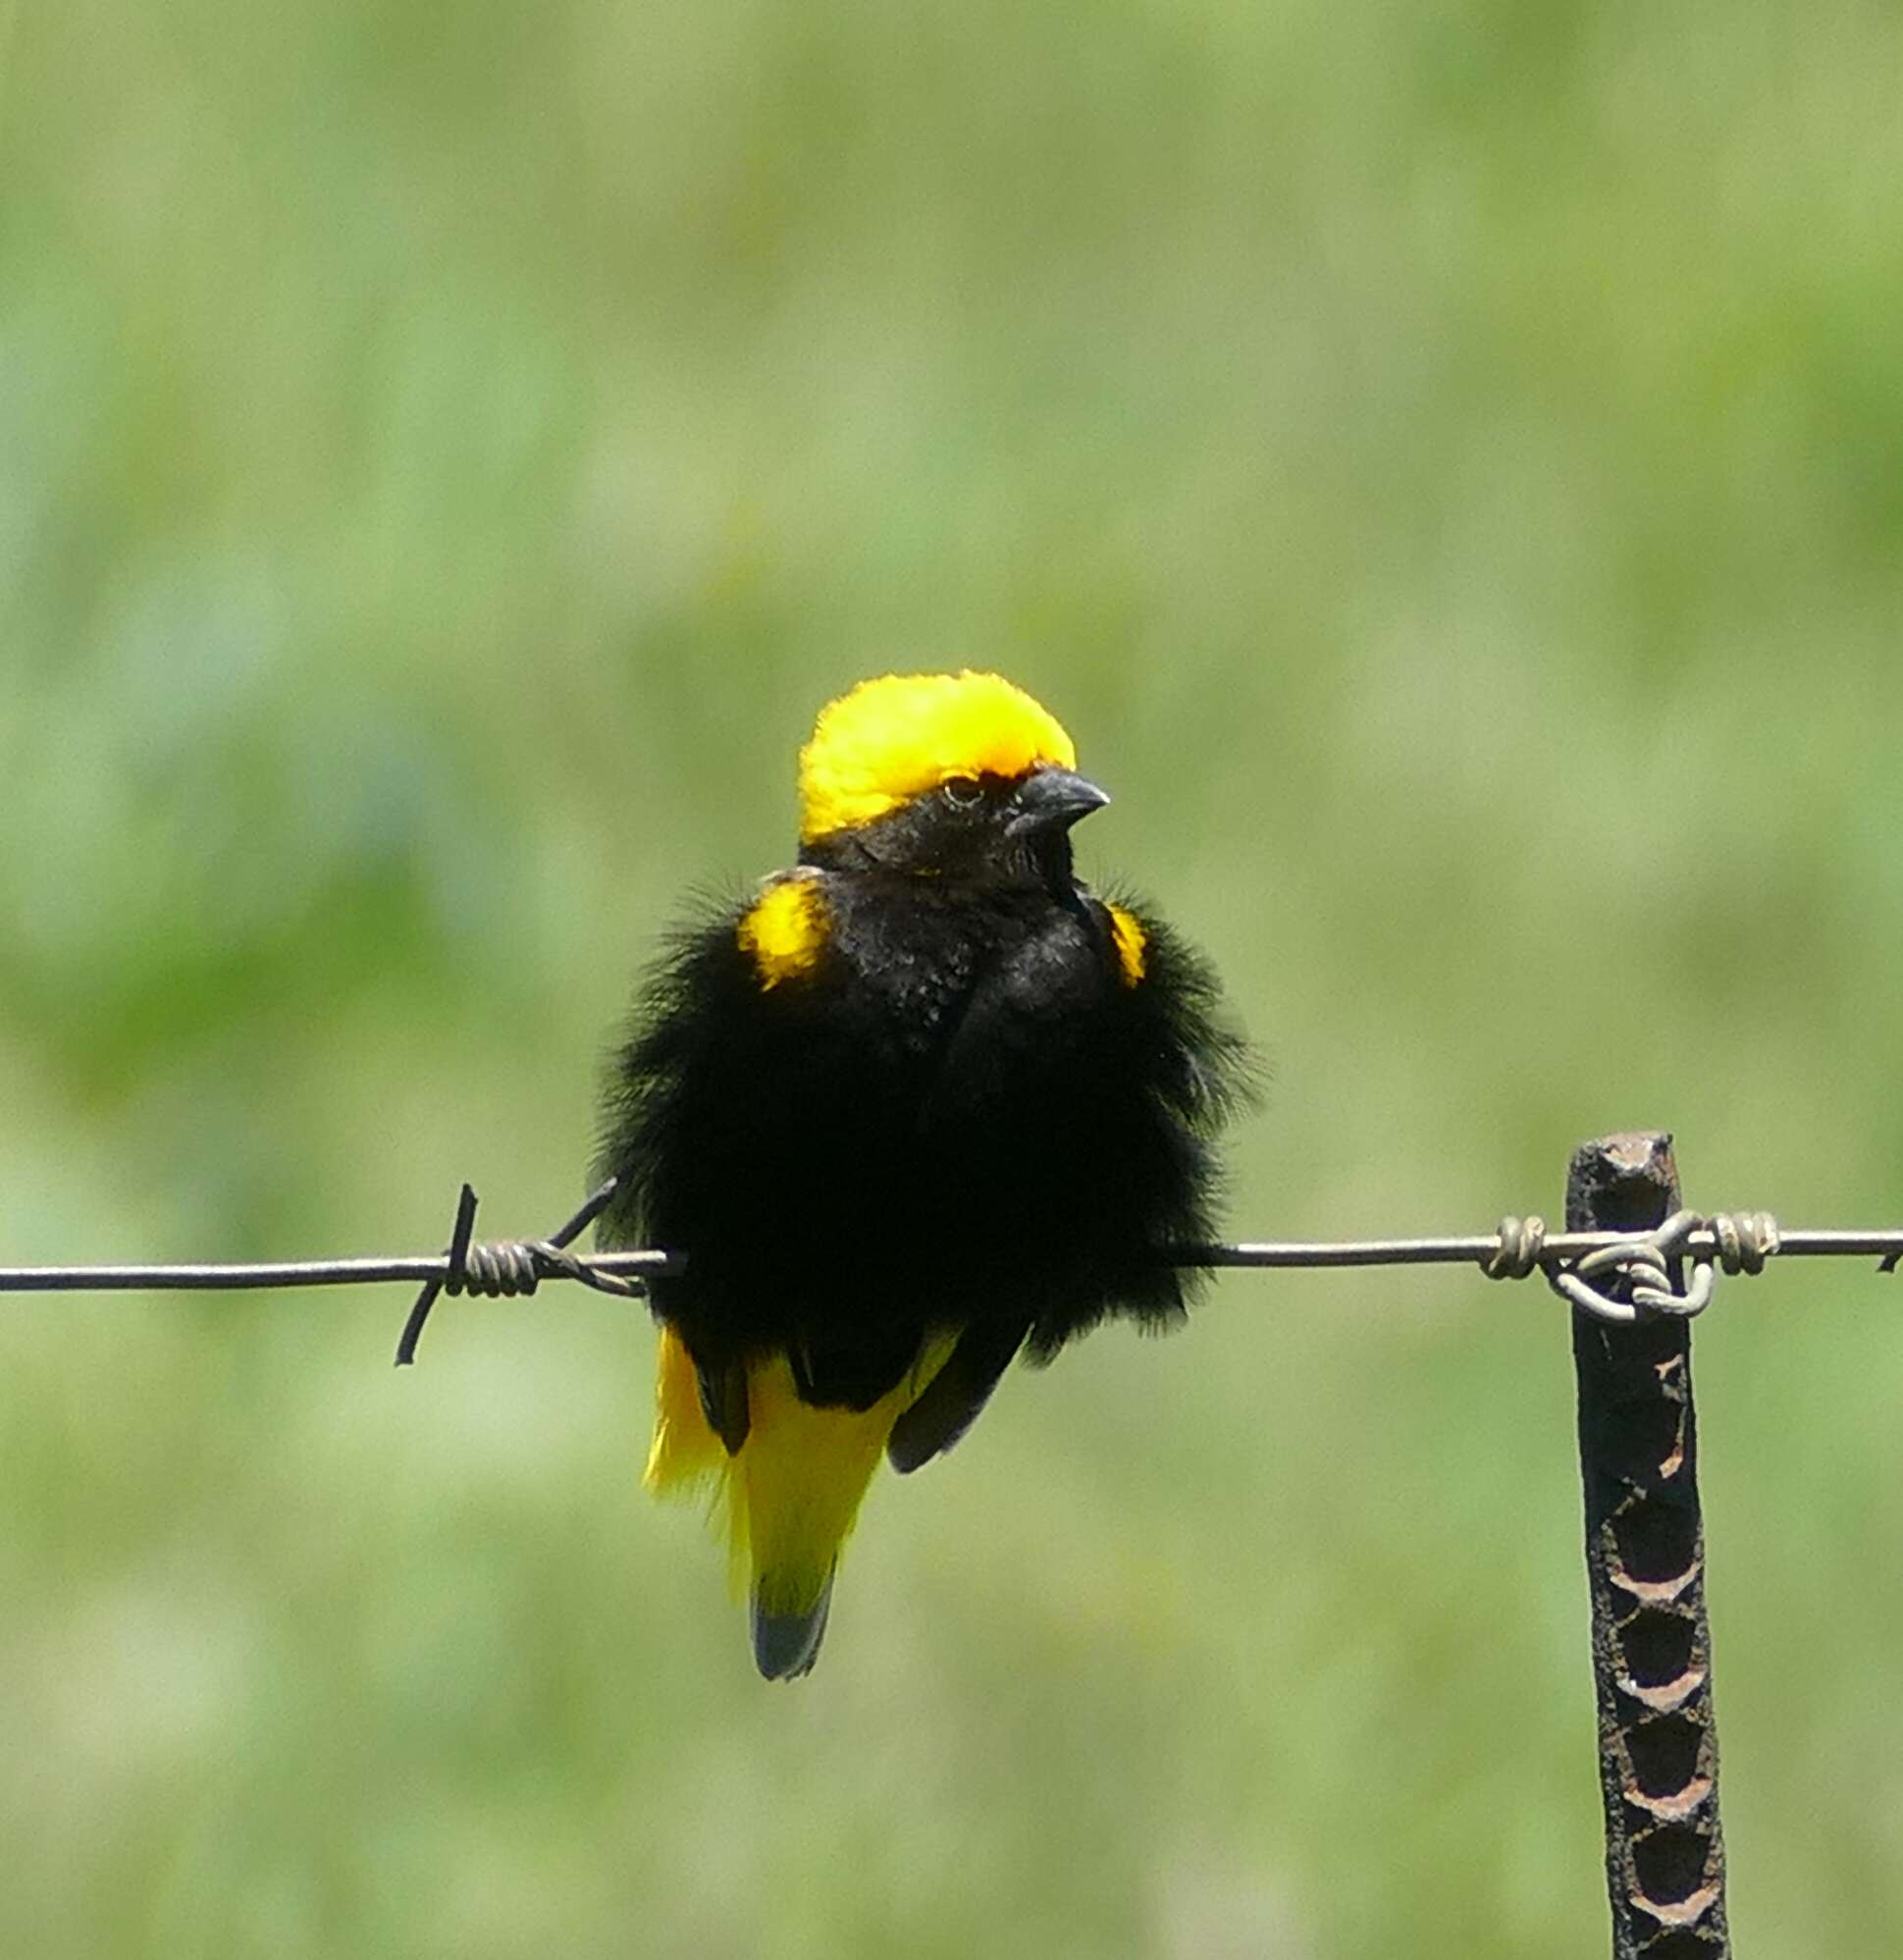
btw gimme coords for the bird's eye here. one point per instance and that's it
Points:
(963, 790)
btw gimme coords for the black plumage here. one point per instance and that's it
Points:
(964, 1117)
(978, 1104)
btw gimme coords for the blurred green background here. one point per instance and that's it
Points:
(1445, 465)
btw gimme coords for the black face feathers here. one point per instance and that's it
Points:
(999, 829)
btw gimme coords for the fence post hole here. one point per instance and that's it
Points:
(1645, 1568)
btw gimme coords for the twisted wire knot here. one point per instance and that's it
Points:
(1745, 1239)
(508, 1268)
(1522, 1242)
(498, 1270)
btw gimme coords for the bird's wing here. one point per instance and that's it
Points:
(724, 1400)
(956, 1395)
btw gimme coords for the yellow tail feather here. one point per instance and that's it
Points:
(792, 1492)
(685, 1453)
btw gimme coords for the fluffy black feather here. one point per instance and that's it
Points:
(963, 1117)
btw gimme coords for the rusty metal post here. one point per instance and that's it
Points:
(1645, 1567)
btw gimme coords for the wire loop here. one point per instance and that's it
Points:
(1734, 1243)
(1640, 1260)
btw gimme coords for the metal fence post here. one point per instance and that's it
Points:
(1645, 1567)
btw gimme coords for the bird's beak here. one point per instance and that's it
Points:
(1051, 799)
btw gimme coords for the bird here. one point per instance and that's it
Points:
(919, 1103)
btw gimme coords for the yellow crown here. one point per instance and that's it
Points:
(892, 738)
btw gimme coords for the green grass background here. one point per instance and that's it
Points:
(1446, 466)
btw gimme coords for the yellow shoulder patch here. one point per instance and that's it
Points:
(785, 931)
(1131, 941)
(892, 738)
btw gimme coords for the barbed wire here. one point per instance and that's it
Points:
(1517, 1247)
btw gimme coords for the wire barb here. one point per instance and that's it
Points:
(508, 1268)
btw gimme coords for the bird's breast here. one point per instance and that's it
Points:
(945, 973)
